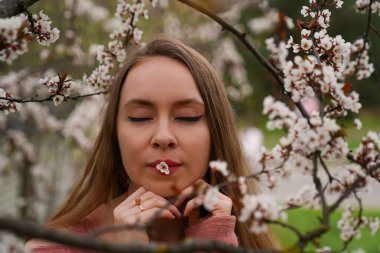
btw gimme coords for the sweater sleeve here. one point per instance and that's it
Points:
(57, 249)
(218, 228)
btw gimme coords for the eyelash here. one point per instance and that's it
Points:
(187, 119)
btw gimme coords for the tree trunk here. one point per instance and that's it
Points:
(9, 8)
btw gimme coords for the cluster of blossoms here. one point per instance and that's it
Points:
(304, 137)
(16, 31)
(211, 198)
(278, 53)
(350, 225)
(12, 244)
(271, 18)
(18, 145)
(307, 197)
(5, 105)
(368, 153)
(360, 67)
(220, 166)
(327, 61)
(88, 8)
(82, 119)
(58, 87)
(260, 209)
(228, 59)
(362, 6)
(346, 177)
(127, 15)
(41, 28)
(13, 38)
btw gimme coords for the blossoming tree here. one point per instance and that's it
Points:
(314, 65)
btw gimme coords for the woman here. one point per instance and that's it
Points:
(167, 116)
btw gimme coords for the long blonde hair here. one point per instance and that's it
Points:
(100, 182)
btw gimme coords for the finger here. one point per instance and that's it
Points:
(160, 202)
(131, 198)
(146, 216)
(186, 193)
(192, 205)
(200, 187)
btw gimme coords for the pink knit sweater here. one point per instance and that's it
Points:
(219, 228)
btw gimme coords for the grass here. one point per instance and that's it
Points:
(306, 220)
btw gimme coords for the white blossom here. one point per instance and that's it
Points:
(87, 8)
(45, 35)
(347, 225)
(358, 124)
(211, 198)
(220, 166)
(260, 208)
(306, 197)
(242, 183)
(10, 243)
(346, 177)
(373, 224)
(13, 38)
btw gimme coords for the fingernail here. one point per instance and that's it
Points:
(175, 214)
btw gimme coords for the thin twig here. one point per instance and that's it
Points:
(373, 28)
(50, 98)
(357, 183)
(308, 237)
(365, 36)
(358, 224)
(288, 226)
(324, 166)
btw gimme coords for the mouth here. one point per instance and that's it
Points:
(164, 167)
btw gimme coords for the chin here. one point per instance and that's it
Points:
(166, 191)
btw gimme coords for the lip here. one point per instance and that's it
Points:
(173, 166)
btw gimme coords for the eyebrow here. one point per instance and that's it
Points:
(148, 103)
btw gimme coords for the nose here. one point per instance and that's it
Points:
(164, 137)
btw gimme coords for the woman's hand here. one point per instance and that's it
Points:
(129, 212)
(223, 206)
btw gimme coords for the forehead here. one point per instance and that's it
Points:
(159, 78)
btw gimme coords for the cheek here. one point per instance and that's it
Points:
(200, 151)
(129, 144)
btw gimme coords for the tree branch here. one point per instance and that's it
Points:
(9, 8)
(50, 98)
(242, 37)
(365, 36)
(29, 229)
(357, 183)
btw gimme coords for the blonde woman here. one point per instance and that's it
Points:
(167, 116)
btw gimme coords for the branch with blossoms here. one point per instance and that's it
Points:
(318, 71)
(50, 98)
(13, 42)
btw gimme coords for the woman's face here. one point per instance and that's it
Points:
(162, 118)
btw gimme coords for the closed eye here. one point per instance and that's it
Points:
(189, 119)
(132, 119)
